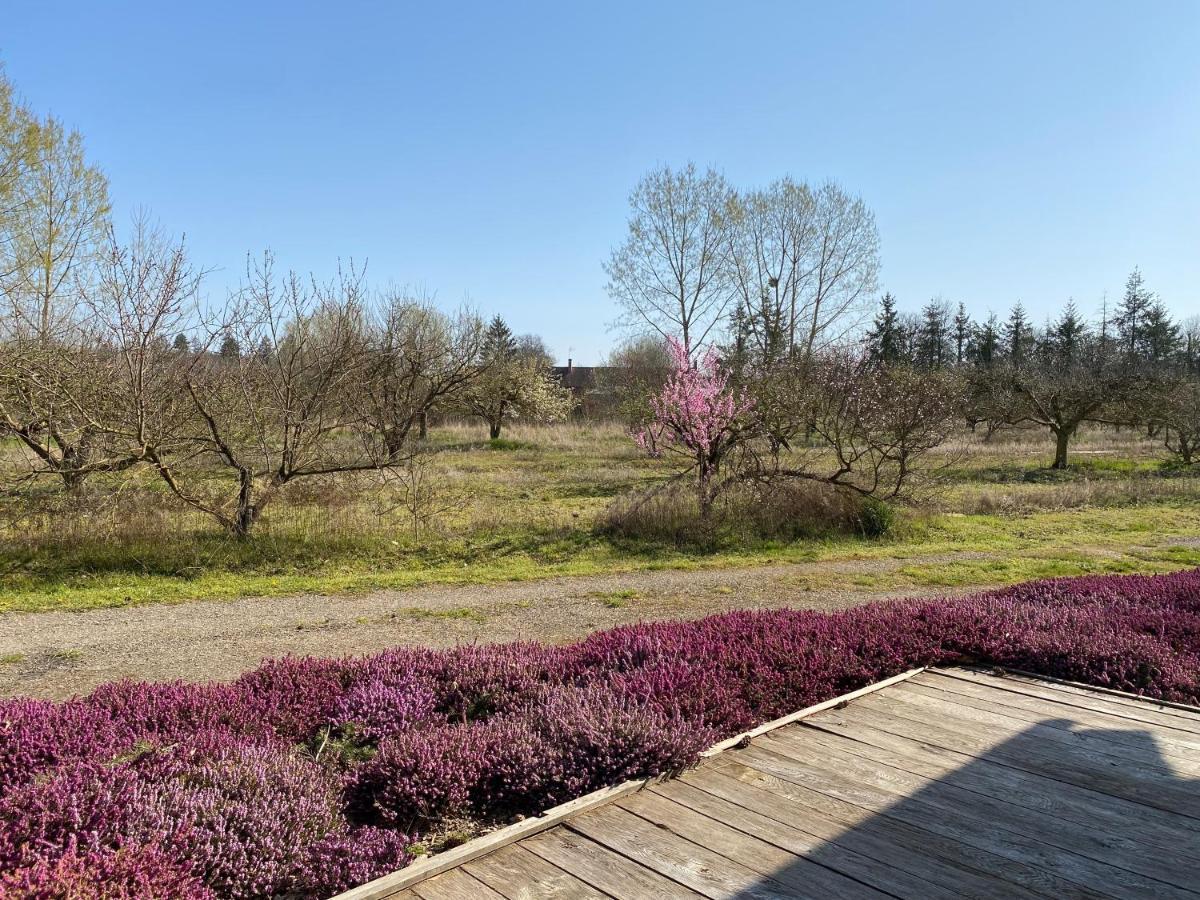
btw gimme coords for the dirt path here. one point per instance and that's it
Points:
(59, 654)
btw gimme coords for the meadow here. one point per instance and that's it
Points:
(535, 503)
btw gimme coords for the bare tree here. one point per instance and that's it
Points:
(846, 269)
(419, 357)
(1062, 394)
(1180, 417)
(870, 429)
(773, 248)
(671, 274)
(279, 411)
(632, 373)
(53, 215)
(145, 295)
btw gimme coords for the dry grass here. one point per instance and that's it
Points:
(536, 502)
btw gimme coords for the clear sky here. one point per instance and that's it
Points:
(1009, 150)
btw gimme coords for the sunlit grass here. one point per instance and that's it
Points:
(526, 508)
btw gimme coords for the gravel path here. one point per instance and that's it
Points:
(58, 654)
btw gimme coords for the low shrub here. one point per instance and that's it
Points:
(781, 510)
(134, 874)
(230, 791)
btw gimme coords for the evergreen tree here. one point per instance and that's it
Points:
(962, 334)
(1017, 333)
(1130, 319)
(230, 348)
(885, 342)
(933, 335)
(986, 343)
(1161, 340)
(499, 345)
(265, 350)
(1065, 336)
(181, 343)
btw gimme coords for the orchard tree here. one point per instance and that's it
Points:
(633, 373)
(257, 422)
(53, 222)
(514, 382)
(418, 359)
(1180, 418)
(699, 416)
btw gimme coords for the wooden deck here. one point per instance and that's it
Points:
(950, 783)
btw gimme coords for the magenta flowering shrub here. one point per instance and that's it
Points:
(345, 859)
(602, 737)
(237, 791)
(382, 708)
(417, 778)
(142, 873)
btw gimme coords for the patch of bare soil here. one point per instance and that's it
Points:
(58, 654)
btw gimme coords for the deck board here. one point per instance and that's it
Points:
(950, 783)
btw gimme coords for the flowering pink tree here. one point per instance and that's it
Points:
(697, 415)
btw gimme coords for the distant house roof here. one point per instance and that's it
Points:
(579, 378)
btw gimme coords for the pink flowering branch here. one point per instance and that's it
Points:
(696, 414)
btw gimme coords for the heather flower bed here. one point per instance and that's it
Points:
(307, 776)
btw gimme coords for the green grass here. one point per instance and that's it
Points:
(1144, 538)
(525, 507)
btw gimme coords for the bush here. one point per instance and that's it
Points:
(875, 517)
(779, 510)
(135, 874)
(203, 788)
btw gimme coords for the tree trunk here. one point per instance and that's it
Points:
(1062, 439)
(247, 509)
(494, 429)
(704, 489)
(423, 425)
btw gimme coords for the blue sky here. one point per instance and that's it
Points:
(1010, 150)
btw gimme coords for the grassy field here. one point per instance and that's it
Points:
(527, 506)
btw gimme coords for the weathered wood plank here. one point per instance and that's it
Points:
(881, 874)
(1063, 762)
(789, 869)
(1171, 742)
(389, 885)
(519, 874)
(699, 868)
(1140, 747)
(1142, 709)
(898, 847)
(928, 786)
(602, 868)
(1044, 868)
(1015, 878)
(1112, 864)
(1144, 830)
(454, 885)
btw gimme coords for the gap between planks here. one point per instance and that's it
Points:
(404, 879)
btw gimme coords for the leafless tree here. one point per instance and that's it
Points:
(145, 294)
(1061, 395)
(869, 429)
(277, 410)
(1179, 415)
(53, 216)
(773, 244)
(671, 275)
(633, 372)
(418, 357)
